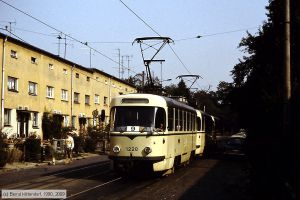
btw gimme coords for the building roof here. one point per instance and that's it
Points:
(34, 48)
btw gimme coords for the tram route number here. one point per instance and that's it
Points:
(132, 148)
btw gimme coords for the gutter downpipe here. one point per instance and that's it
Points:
(2, 86)
(71, 117)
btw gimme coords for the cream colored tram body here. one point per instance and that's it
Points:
(152, 129)
(200, 135)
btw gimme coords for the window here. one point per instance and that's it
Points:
(76, 97)
(97, 99)
(160, 119)
(12, 84)
(89, 121)
(105, 100)
(64, 95)
(199, 124)
(65, 71)
(88, 78)
(73, 121)
(170, 119)
(7, 117)
(33, 60)
(142, 116)
(65, 121)
(35, 117)
(32, 88)
(177, 119)
(87, 99)
(13, 53)
(51, 66)
(77, 75)
(50, 92)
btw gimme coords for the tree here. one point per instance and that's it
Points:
(256, 95)
(178, 90)
(257, 87)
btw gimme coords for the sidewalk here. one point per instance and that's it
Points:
(18, 166)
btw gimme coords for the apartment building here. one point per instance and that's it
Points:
(35, 82)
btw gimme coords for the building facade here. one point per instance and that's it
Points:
(35, 82)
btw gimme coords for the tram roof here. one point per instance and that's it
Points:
(156, 100)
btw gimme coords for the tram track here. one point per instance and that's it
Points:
(97, 181)
(54, 180)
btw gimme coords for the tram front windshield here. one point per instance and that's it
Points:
(128, 117)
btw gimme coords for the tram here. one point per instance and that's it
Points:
(154, 130)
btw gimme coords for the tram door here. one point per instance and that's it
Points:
(23, 123)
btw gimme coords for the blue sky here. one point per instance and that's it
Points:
(211, 56)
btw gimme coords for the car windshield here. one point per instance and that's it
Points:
(132, 116)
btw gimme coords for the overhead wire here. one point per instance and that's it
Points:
(219, 33)
(75, 68)
(14, 35)
(158, 35)
(140, 18)
(59, 31)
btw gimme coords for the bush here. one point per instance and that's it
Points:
(3, 152)
(90, 144)
(32, 149)
(3, 157)
(78, 144)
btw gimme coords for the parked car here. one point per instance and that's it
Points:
(235, 144)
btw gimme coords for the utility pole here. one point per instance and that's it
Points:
(122, 64)
(10, 29)
(90, 57)
(119, 55)
(59, 37)
(287, 68)
(128, 66)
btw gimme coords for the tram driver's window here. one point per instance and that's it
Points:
(160, 119)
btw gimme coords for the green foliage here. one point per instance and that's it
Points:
(90, 144)
(3, 152)
(256, 90)
(2, 138)
(3, 157)
(178, 90)
(32, 149)
(78, 144)
(52, 126)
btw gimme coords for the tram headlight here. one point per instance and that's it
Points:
(116, 149)
(147, 150)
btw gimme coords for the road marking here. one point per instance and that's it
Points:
(114, 180)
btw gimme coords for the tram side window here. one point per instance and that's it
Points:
(160, 119)
(190, 121)
(199, 128)
(180, 120)
(170, 119)
(177, 119)
(186, 121)
(183, 120)
(193, 122)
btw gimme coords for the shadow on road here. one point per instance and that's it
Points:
(228, 179)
